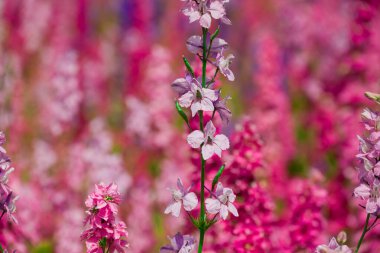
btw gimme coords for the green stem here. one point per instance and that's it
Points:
(365, 230)
(202, 215)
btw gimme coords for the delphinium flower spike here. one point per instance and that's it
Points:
(369, 177)
(7, 196)
(198, 94)
(104, 234)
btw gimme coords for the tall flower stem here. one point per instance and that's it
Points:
(202, 215)
(365, 230)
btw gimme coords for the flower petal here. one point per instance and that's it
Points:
(174, 208)
(217, 10)
(190, 201)
(222, 141)
(371, 206)
(212, 205)
(362, 191)
(233, 209)
(210, 94)
(205, 20)
(207, 151)
(195, 139)
(181, 86)
(223, 212)
(186, 99)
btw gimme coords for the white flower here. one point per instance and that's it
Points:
(203, 13)
(198, 98)
(222, 204)
(211, 144)
(181, 196)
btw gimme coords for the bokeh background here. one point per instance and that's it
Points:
(85, 97)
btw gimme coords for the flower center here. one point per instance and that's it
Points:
(199, 95)
(108, 198)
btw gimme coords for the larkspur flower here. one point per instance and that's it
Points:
(221, 107)
(222, 203)
(7, 197)
(195, 45)
(103, 203)
(181, 196)
(211, 143)
(204, 13)
(371, 194)
(179, 244)
(333, 247)
(223, 64)
(198, 98)
(104, 232)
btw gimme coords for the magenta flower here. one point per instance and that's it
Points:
(198, 98)
(371, 194)
(211, 144)
(179, 244)
(222, 203)
(103, 232)
(181, 196)
(333, 247)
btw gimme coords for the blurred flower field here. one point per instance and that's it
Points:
(86, 97)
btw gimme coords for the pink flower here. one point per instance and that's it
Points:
(104, 232)
(198, 98)
(371, 194)
(222, 204)
(181, 196)
(211, 144)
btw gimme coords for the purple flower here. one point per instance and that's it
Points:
(371, 194)
(211, 144)
(224, 65)
(181, 196)
(198, 98)
(179, 244)
(182, 85)
(221, 107)
(223, 202)
(333, 247)
(195, 45)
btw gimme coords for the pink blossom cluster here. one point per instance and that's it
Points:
(104, 234)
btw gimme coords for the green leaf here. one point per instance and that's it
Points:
(1, 249)
(217, 176)
(103, 243)
(373, 96)
(182, 113)
(216, 33)
(188, 66)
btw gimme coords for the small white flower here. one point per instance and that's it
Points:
(181, 196)
(198, 98)
(211, 144)
(222, 204)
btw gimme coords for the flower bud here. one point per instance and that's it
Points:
(373, 96)
(342, 237)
